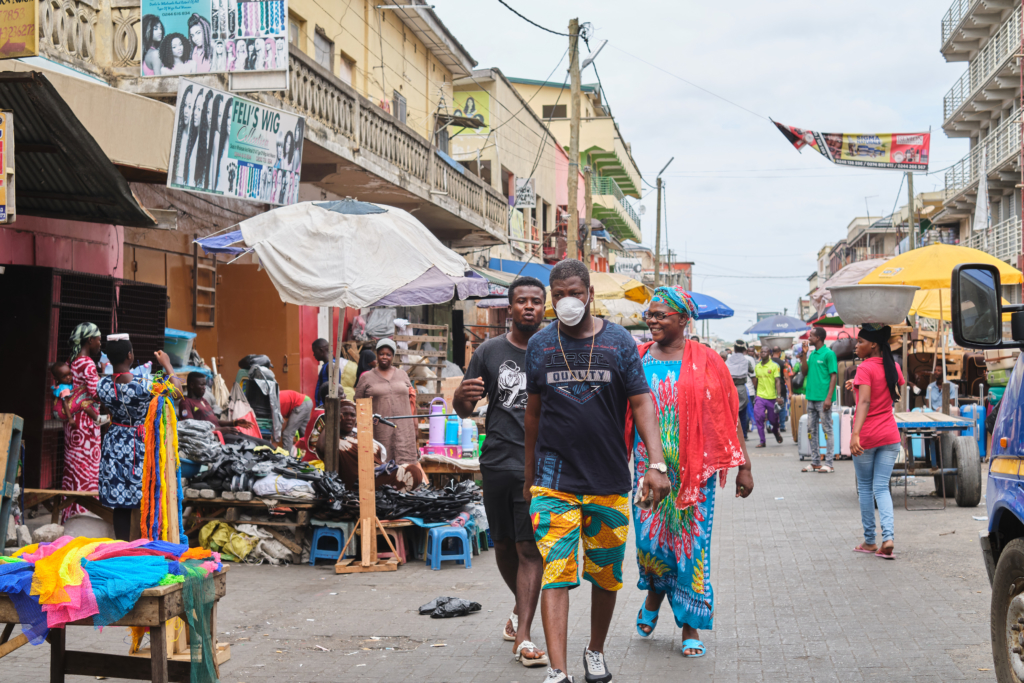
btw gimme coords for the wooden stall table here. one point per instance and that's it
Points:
(51, 498)
(230, 511)
(154, 608)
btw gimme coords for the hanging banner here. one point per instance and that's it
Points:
(232, 146)
(526, 194)
(903, 151)
(6, 162)
(19, 29)
(213, 36)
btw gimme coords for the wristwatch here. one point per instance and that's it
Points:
(660, 466)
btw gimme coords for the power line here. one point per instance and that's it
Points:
(530, 21)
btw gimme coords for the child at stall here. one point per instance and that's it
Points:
(70, 401)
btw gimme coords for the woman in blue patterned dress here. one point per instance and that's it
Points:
(697, 405)
(124, 447)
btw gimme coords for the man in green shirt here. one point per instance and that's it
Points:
(769, 394)
(819, 386)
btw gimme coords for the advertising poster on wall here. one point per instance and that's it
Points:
(902, 151)
(213, 36)
(19, 29)
(473, 104)
(232, 146)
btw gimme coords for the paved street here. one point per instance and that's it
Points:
(794, 604)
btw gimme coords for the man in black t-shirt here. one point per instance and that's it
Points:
(498, 371)
(581, 374)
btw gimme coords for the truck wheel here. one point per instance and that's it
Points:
(1006, 620)
(947, 460)
(968, 471)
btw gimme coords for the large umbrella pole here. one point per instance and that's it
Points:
(332, 414)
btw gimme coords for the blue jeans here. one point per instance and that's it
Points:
(873, 468)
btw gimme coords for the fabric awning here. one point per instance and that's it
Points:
(60, 169)
(224, 243)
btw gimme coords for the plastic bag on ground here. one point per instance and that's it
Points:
(433, 605)
(455, 608)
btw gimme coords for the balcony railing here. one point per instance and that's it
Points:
(1002, 240)
(1001, 145)
(1002, 46)
(954, 16)
(608, 186)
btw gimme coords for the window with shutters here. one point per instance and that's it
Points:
(398, 106)
(324, 50)
(553, 111)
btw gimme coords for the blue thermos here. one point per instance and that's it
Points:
(451, 431)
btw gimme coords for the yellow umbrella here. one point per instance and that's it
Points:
(610, 286)
(932, 267)
(935, 304)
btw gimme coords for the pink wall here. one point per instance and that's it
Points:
(70, 245)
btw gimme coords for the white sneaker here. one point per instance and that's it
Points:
(557, 676)
(593, 663)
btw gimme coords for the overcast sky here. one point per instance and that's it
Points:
(740, 200)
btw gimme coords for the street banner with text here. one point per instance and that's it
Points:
(232, 146)
(902, 151)
(19, 29)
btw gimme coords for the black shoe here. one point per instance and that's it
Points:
(593, 664)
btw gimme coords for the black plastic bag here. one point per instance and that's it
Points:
(455, 608)
(433, 605)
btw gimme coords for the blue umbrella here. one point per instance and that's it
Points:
(778, 324)
(710, 308)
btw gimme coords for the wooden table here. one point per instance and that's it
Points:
(220, 510)
(154, 608)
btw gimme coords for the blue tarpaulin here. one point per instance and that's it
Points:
(541, 271)
(221, 244)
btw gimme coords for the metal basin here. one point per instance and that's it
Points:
(782, 343)
(882, 304)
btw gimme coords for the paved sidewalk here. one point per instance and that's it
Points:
(793, 604)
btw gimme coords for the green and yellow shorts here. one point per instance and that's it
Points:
(558, 518)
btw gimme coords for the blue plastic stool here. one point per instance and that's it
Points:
(318, 553)
(435, 539)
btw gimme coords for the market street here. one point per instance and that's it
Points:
(794, 603)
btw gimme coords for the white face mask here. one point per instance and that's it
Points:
(570, 310)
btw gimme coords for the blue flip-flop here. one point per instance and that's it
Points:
(645, 617)
(692, 644)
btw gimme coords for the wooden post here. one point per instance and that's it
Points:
(905, 400)
(572, 234)
(588, 207)
(657, 238)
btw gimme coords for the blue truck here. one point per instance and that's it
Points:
(977, 314)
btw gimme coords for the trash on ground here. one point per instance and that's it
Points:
(439, 645)
(947, 533)
(982, 518)
(780, 498)
(445, 607)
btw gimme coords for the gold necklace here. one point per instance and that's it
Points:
(593, 337)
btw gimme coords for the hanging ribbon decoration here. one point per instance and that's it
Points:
(161, 423)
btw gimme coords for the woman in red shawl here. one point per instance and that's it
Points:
(697, 407)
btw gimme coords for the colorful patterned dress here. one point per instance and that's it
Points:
(673, 547)
(81, 439)
(124, 446)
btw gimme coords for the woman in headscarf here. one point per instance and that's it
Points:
(875, 439)
(81, 433)
(697, 407)
(367, 361)
(393, 394)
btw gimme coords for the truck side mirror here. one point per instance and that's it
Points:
(977, 306)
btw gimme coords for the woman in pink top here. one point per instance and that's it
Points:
(875, 441)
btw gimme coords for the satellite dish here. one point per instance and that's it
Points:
(643, 209)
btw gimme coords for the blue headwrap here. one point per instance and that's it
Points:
(677, 299)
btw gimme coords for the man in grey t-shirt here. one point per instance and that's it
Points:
(498, 371)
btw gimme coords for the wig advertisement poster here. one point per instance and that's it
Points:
(213, 36)
(232, 146)
(903, 151)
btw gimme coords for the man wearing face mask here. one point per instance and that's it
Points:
(581, 373)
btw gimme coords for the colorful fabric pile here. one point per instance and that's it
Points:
(52, 584)
(161, 446)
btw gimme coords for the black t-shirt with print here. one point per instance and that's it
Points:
(581, 446)
(502, 367)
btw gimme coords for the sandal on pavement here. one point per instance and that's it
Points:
(811, 468)
(760, 445)
(885, 555)
(514, 618)
(778, 437)
(826, 469)
(526, 661)
(692, 644)
(862, 549)
(646, 617)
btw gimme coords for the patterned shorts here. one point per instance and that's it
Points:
(558, 519)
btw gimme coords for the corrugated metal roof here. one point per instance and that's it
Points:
(61, 171)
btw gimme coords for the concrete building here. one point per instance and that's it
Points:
(984, 105)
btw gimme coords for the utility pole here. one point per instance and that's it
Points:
(588, 204)
(657, 230)
(910, 209)
(572, 236)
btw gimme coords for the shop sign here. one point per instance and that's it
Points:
(232, 146)
(526, 195)
(6, 162)
(629, 266)
(181, 37)
(904, 151)
(19, 29)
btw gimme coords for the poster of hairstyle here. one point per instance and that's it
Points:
(229, 145)
(213, 36)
